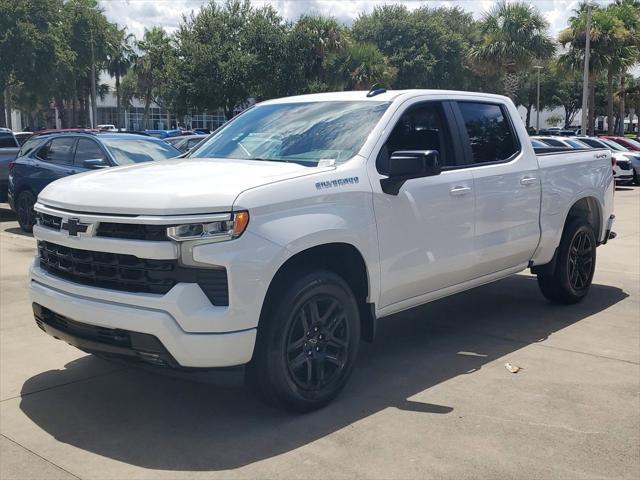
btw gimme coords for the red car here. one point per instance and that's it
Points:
(630, 143)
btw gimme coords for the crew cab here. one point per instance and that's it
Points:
(279, 241)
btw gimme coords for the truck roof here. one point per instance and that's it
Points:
(388, 96)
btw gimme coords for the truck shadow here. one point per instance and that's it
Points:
(178, 422)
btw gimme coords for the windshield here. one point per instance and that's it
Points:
(304, 133)
(577, 144)
(633, 142)
(136, 150)
(614, 145)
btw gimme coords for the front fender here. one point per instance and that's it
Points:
(300, 216)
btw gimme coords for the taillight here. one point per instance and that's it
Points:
(613, 161)
(11, 165)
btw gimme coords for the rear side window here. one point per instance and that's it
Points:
(490, 133)
(88, 150)
(7, 140)
(553, 143)
(58, 150)
(592, 143)
(29, 145)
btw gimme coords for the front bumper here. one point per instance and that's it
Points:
(624, 178)
(191, 350)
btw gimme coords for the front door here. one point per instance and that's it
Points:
(425, 232)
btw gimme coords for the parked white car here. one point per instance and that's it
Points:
(280, 241)
(624, 160)
(107, 127)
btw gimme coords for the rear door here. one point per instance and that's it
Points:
(52, 161)
(506, 185)
(425, 232)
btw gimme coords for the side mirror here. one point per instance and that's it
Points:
(407, 164)
(95, 163)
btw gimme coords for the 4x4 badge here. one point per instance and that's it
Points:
(74, 227)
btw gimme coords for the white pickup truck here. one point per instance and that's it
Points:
(282, 238)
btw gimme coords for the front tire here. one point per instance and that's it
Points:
(575, 265)
(24, 209)
(307, 342)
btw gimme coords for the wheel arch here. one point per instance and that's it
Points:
(341, 258)
(589, 208)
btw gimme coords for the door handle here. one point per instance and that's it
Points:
(459, 191)
(528, 180)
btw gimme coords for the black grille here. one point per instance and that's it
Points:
(129, 231)
(111, 342)
(128, 273)
(133, 231)
(624, 164)
(49, 221)
(109, 336)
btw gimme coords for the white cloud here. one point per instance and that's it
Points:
(140, 14)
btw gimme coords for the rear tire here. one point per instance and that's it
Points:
(24, 209)
(575, 265)
(636, 177)
(307, 342)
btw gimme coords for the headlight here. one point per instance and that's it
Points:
(227, 228)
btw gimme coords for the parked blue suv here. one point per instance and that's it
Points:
(47, 157)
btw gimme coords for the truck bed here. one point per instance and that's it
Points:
(567, 175)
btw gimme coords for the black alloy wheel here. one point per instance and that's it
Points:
(318, 342)
(567, 280)
(24, 209)
(580, 261)
(307, 341)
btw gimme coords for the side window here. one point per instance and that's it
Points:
(7, 140)
(421, 127)
(29, 145)
(553, 143)
(490, 133)
(58, 150)
(88, 150)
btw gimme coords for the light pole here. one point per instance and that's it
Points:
(538, 68)
(94, 108)
(585, 77)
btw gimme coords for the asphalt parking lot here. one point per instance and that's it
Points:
(431, 398)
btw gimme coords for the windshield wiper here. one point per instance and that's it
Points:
(269, 159)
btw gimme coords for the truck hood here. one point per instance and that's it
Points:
(168, 187)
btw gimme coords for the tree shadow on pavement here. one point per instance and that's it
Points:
(178, 422)
(6, 216)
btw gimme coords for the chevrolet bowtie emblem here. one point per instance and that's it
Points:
(74, 227)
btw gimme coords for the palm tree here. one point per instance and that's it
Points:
(612, 48)
(121, 58)
(147, 75)
(321, 39)
(628, 11)
(365, 65)
(512, 37)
